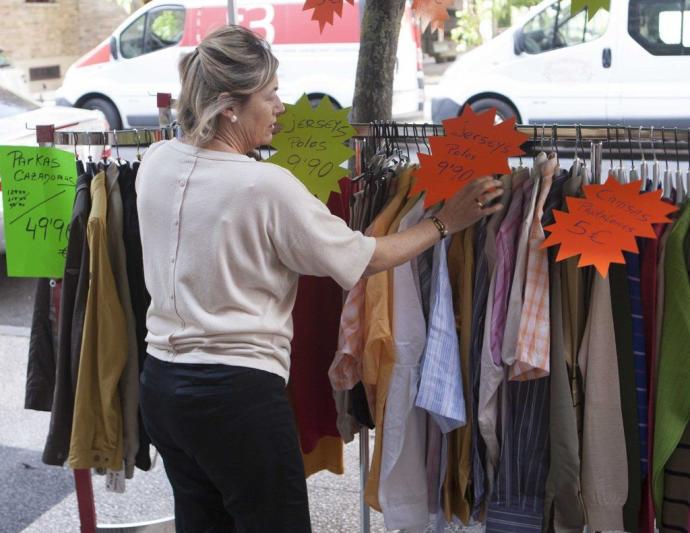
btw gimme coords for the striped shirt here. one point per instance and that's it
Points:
(440, 388)
(517, 504)
(632, 262)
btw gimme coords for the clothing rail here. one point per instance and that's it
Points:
(623, 139)
(113, 138)
(564, 132)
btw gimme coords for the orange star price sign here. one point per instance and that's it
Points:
(605, 223)
(473, 146)
(325, 10)
(432, 13)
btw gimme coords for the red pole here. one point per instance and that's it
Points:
(85, 500)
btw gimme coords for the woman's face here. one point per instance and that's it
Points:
(258, 117)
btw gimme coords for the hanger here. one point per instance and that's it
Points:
(554, 139)
(634, 176)
(644, 167)
(680, 192)
(612, 168)
(668, 183)
(120, 162)
(656, 170)
(621, 173)
(138, 155)
(541, 142)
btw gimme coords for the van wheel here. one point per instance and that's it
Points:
(504, 111)
(107, 108)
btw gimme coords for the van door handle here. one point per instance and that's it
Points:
(606, 58)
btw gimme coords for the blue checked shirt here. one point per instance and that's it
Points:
(440, 388)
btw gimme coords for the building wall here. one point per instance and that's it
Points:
(54, 33)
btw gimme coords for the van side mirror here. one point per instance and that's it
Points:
(113, 47)
(518, 42)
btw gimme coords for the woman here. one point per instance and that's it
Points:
(224, 239)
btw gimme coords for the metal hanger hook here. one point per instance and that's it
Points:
(651, 140)
(117, 145)
(608, 142)
(639, 141)
(675, 138)
(541, 142)
(663, 144)
(630, 148)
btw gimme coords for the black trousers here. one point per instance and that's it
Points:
(229, 444)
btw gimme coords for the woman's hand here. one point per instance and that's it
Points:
(470, 204)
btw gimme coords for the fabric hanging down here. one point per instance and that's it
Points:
(511, 406)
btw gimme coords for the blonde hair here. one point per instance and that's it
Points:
(230, 60)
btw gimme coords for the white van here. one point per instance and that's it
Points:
(122, 75)
(629, 65)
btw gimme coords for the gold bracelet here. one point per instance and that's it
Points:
(440, 226)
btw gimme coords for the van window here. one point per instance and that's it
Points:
(164, 27)
(132, 38)
(555, 27)
(661, 28)
(157, 29)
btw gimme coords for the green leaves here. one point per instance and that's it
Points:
(311, 145)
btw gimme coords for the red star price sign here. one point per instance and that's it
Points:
(606, 222)
(325, 10)
(474, 146)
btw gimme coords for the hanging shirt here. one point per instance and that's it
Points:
(224, 239)
(604, 464)
(137, 286)
(511, 326)
(316, 318)
(485, 260)
(518, 496)
(385, 364)
(402, 485)
(672, 410)
(562, 501)
(96, 440)
(75, 284)
(507, 247)
(129, 382)
(40, 372)
(456, 494)
(491, 371)
(632, 262)
(440, 387)
(534, 339)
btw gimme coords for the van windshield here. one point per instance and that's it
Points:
(556, 27)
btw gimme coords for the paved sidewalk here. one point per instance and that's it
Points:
(36, 498)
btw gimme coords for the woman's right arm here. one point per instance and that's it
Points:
(459, 212)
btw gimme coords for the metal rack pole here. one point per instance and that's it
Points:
(364, 512)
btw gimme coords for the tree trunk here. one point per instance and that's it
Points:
(373, 98)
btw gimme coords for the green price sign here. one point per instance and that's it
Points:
(311, 144)
(38, 187)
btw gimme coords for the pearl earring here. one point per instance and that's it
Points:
(233, 119)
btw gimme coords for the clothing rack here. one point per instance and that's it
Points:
(48, 135)
(616, 142)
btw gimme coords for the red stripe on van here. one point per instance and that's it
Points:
(278, 23)
(99, 55)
